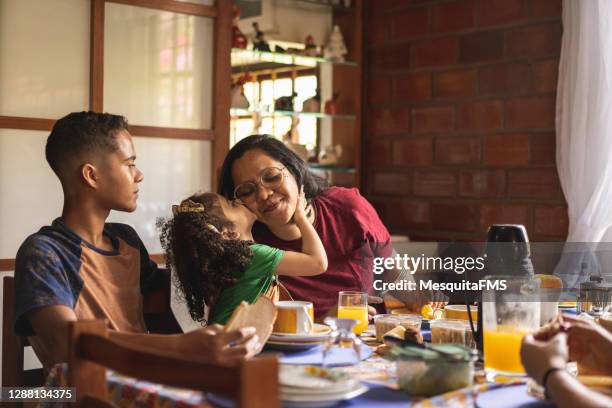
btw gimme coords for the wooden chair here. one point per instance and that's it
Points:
(253, 384)
(157, 314)
(13, 347)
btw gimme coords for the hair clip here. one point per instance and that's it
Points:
(212, 228)
(187, 206)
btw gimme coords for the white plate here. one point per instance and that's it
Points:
(297, 379)
(321, 331)
(321, 401)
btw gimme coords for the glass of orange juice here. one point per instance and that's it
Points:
(354, 305)
(508, 315)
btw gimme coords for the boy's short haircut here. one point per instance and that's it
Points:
(81, 133)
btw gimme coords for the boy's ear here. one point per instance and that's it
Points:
(90, 175)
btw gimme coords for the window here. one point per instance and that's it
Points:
(261, 96)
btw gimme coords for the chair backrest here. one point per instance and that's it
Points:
(13, 347)
(253, 384)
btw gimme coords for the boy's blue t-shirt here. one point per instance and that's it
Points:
(56, 267)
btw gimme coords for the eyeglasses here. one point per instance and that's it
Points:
(270, 177)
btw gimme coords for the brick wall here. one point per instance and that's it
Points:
(460, 110)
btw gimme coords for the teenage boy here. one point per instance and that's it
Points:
(80, 267)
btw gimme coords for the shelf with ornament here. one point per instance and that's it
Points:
(332, 168)
(257, 60)
(247, 113)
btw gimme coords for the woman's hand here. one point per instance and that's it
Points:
(590, 345)
(216, 346)
(539, 356)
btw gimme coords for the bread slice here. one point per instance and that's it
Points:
(260, 315)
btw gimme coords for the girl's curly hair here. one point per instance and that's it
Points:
(204, 263)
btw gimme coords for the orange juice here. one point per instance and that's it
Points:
(359, 313)
(502, 349)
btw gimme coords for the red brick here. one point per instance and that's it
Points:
(412, 152)
(546, 8)
(390, 57)
(454, 217)
(410, 214)
(410, 23)
(436, 52)
(453, 150)
(502, 213)
(534, 183)
(494, 12)
(482, 183)
(379, 89)
(384, 5)
(412, 87)
(392, 183)
(530, 112)
(377, 29)
(485, 115)
(504, 79)
(551, 221)
(434, 183)
(482, 46)
(432, 120)
(543, 148)
(534, 41)
(455, 84)
(506, 150)
(454, 16)
(545, 74)
(378, 151)
(390, 120)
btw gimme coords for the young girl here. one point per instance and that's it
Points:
(209, 245)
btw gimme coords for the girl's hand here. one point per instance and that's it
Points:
(300, 207)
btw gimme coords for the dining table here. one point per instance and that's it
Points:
(373, 371)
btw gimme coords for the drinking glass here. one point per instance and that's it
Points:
(342, 336)
(354, 305)
(508, 315)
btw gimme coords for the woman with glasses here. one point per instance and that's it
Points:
(265, 176)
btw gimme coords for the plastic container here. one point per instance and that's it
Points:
(386, 322)
(452, 331)
(426, 372)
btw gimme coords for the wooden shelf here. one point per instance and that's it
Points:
(262, 60)
(332, 168)
(244, 114)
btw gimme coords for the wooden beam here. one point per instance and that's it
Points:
(96, 60)
(181, 7)
(172, 133)
(222, 83)
(15, 122)
(7, 265)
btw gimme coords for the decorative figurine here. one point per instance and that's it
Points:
(238, 99)
(310, 48)
(259, 43)
(331, 106)
(239, 40)
(312, 104)
(330, 154)
(284, 103)
(335, 50)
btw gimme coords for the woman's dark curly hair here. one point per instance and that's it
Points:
(204, 263)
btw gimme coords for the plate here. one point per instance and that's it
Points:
(319, 400)
(300, 379)
(321, 331)
(280, 345)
